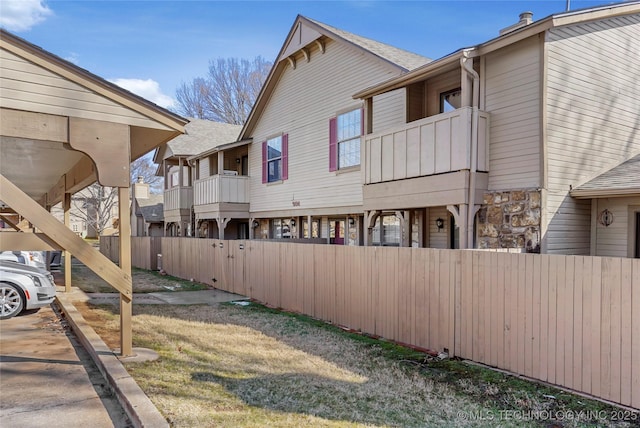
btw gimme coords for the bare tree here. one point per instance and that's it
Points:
(145, 168)
(95, 206)
(228, 91)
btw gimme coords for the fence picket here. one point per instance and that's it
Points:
(568, 320)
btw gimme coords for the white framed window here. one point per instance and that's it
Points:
(274, 159)
(349, 130)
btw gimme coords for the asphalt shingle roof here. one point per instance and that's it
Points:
(151, 208)
(202, 135)
(405, 59)
(624, 176)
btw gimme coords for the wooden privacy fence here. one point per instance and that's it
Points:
(144, 250)
(573, 321)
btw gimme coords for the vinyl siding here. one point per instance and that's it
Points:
(27, 86)
(389, 110)
(616, 240)
(512, 97)
(303, 101)
(438, 238)
(592, 125)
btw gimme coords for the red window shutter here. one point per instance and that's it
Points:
(264, 162)
(333, 144)
(285, 156)
(361, 121)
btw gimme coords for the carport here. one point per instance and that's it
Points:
(63, 128)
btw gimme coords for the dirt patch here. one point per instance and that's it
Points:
(105, 322)
(143, 281)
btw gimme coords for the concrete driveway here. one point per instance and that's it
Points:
(47, 379)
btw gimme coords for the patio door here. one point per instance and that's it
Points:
(336, 232)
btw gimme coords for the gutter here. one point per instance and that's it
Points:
(467, 65)
(604, 193)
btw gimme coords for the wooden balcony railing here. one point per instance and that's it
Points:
(433, 145)
(221, 188)
(178, 198)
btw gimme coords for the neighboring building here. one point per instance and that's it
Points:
(221, 191)
(305, 127)
(201, 136)
(530, 140)
(147, 212)
(506, 129)
(87, 209)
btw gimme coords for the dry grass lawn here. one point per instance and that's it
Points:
(234, 366)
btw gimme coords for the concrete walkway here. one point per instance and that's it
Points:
(55, 371)
(47, 379)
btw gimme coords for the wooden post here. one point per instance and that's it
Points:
(66, 206)
(126, 303)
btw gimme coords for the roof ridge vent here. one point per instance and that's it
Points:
(526, 18)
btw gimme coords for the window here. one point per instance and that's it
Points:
(275, 159)
(315, 227)
(344, 140)
(450, 100)
(281, 228)
(386, 231)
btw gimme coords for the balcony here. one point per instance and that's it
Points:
(429, 146)
(425, 163)
(178, 198)
(221, 189)
(221, 195)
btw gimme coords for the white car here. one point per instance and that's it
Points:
(30, 258)
(23, 287)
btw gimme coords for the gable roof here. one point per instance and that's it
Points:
(152, 208)
(200, 135)
(305, 31)
(396, 56)
(622, 180)
(508, 38)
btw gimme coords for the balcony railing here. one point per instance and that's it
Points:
(221, 188)
(178, 198)
(428, 146)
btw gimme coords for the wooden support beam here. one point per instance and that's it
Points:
(33, 126)
(80, 176)
(66, 207)
(65, 238)
(10, 223)
(126, 309)
(56, 193)
(107, 144)
(21, 241)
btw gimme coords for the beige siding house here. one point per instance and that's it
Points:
(529, 140)
(304, 158)
(173, 160)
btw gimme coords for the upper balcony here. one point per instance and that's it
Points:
(221, 189)
(433, 145)
(178, 198)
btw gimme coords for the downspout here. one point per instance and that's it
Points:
(467, 65)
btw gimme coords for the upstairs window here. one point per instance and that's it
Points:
(275, 159)
(344, 139)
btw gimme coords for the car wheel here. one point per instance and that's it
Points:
(11, 300)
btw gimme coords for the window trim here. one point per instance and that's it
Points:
(335, 143)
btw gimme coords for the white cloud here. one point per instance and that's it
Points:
(149, 89)
(73, 58)
(21, 15)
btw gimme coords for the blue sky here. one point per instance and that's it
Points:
(151, 46)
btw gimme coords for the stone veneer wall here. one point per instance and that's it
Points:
(510, 219)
